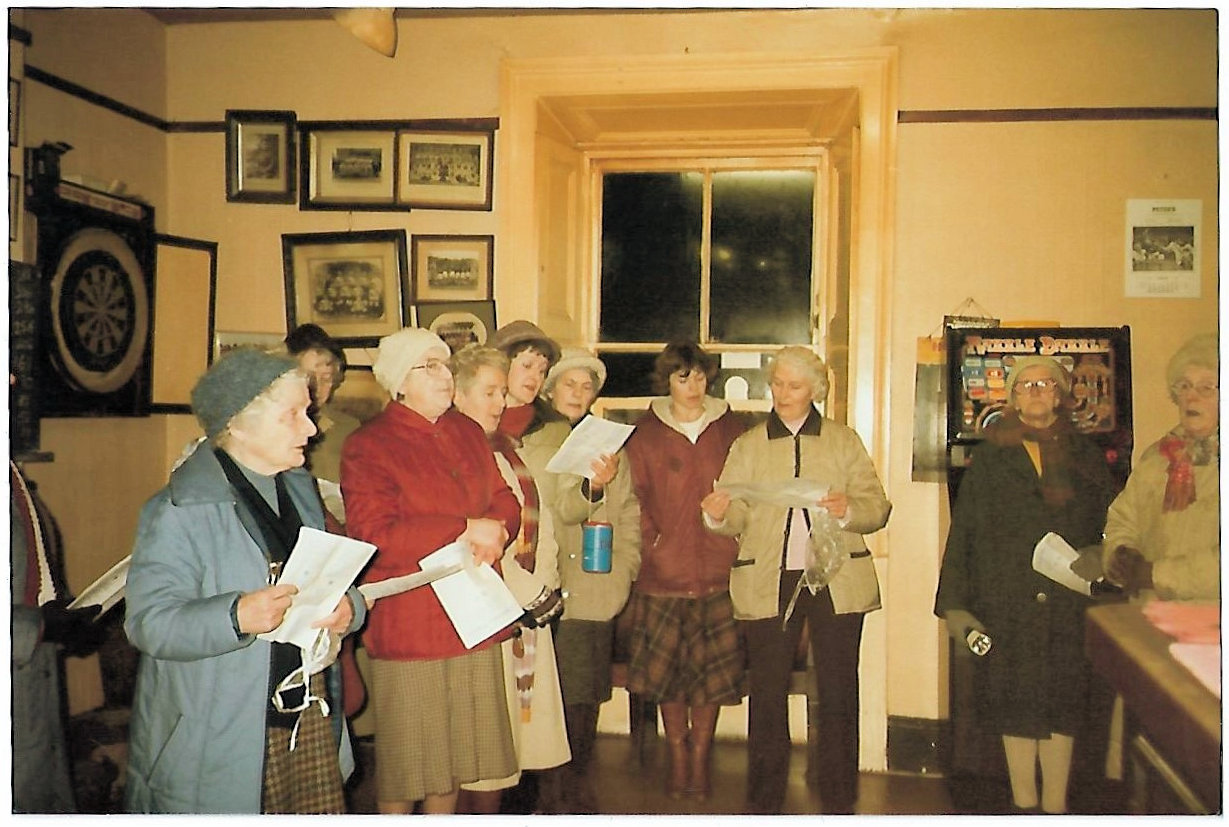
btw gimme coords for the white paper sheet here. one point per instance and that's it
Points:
(406, 582)
(791, 493)
(323, 566)
(107, 590)
(1053, 556)
(590, 439)
(475, 599)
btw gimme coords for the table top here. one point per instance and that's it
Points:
(1178, 714)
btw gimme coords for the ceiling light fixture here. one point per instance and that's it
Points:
(375, 27)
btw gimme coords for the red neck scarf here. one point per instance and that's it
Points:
(527, 544)
(1183, 452)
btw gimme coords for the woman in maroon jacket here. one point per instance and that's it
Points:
(685, 650)
(415, 478)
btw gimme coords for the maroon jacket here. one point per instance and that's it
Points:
(678, 556)
(409, 485)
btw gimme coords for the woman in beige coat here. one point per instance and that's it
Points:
(796, 442)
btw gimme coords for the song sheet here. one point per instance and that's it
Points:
(475, 599)
(590, 439)
(1052, 557)
(790, 493)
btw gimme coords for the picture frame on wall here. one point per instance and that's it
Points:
(14, 110)
(345, 167)
(14, 207)
(453, 268)
(261, 163)
(459, 323)
(448, 170)
(353, 284)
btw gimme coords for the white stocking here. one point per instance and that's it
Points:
(1055, 754)
(1022, 770)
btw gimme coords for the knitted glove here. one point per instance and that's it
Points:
(75, 629)
(1128, 568)
(959, 624)
(1088, 564)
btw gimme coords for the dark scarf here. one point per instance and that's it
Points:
(280, 532)
(1184, 451)
(1053, 440)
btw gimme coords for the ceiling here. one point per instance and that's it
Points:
(179, 15)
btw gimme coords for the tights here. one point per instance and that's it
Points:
(1055, 756)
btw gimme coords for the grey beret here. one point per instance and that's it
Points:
(232, 382)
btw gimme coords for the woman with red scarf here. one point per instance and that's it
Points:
(1163, 531)
(1033, 474)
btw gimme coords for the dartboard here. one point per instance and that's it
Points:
(99, 310)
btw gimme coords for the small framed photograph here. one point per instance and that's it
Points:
(14, 110)
(445, 170)
(459, 323)
(224, 341)
(354, 285)
(450, 268)
(14, 206)
(349, 169)
(260, 156)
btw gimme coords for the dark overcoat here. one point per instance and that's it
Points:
(1033, 681)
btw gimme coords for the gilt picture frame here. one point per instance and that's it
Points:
(261, 165)
(452, 267)
(459, 323)
(447, 170)
(353, 284)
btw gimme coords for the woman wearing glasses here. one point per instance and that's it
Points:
(415, 478)
(1032, 474)
(1162, 532)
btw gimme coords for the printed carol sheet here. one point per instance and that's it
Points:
(590, 439)
(475, 598)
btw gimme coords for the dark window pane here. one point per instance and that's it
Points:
(651, 234)
(628, 374)
(761, 257)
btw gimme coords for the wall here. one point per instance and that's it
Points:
(1027, 218)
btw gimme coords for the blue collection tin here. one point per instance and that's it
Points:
(595, 545)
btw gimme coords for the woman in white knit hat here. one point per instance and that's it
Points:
(416, 477)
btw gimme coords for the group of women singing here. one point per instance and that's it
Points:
(727, 542)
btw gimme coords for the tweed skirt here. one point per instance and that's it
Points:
(686, 650)
(440, 724)
(308, 779)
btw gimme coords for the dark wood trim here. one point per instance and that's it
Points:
(442, 124)
(78, 91)
(917, 745)
(1107, 113)
(21, 35)
(195, 126)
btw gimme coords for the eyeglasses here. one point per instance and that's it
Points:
(1035, 385)
(433, 366)
(1202, 390)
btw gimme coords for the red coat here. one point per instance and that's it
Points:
(409, 485)
(678, 556)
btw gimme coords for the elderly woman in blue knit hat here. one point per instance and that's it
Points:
(206, 735)
(1162, 534)
(1032, 474)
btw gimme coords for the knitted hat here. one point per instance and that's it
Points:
(231, 383)
(523, 332)
(575, 357)
(399, 352)
(1201, 350)
(1056, 370)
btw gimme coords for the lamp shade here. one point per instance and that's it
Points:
(375, 27)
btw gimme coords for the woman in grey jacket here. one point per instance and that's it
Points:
(205, 737)
(796, 442)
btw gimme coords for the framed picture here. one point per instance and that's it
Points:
(349, 169)
(445, 170)
(459, 323)
(224, 341)
(354, 285)
(14, 110)
(184, 305)
(260, 156)
(453, 267)
(14, 206)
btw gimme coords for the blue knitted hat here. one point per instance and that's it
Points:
(231, 383)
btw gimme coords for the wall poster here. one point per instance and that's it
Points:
(1162, 249)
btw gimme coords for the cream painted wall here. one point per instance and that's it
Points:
(1027, 218)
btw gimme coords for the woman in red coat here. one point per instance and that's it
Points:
(685, 649)
(415, 478)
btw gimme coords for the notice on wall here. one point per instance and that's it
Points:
(1162, 248)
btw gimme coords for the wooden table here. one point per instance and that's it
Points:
(1173, 729)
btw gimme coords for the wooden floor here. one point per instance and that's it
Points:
(629, 787)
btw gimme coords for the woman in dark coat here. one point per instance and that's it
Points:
(1033, 474)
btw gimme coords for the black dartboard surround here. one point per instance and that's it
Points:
(96, 263)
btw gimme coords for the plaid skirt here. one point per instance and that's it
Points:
(440, 724)
(307, 780)
(685, 649)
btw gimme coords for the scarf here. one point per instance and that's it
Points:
(1184, 451)
(527, 542)
(1052, 441)
(41, 547)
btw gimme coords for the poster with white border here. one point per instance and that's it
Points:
(1162, 248)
